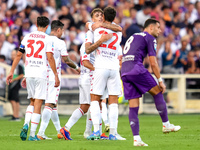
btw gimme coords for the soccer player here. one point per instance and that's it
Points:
(137, 80)
(60, 51)
(106, 75)
(87, 69)
(38, 48)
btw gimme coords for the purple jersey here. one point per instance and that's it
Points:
(136, 49)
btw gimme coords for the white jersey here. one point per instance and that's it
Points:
(106, 55)
(36, 45)
(86, 74)
(60, 50)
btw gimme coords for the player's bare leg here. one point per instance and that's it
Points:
(162, 110)
(134, 122)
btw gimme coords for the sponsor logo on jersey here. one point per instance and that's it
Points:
(155, 44)
(98, 52)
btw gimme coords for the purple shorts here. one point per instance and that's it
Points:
(136, 85)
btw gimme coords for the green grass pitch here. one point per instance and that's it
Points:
(188, 138)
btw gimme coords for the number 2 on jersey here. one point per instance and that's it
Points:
(112, 43)
(30, 45)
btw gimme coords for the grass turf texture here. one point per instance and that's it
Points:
(188, 138)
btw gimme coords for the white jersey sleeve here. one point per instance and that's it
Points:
(50, 46)
(89, 37)
(60, 50)
(63, 48)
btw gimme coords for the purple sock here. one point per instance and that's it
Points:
(133, 120)
(161, 106)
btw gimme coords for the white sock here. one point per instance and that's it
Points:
(104, 113)
(100, 122)
(95, 113)
(76, 115)
(113, 116)
(29, 112)
(137, 138)
(35, 119)
(88, 122)
(46, 115)
(55, 119)
(166, 124)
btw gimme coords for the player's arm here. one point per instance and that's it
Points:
(113, 27)
(53, 67)
(15, 62)
(87, 64)
(89, 48)
(156, 70)
(70, 63)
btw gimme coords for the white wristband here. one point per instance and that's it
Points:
(77, 67)
(160, 79)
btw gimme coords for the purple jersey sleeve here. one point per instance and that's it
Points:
(151, 46)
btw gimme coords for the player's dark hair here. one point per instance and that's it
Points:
(109, 14)
(96, 10)
(42, 21)
(56, 24)
(150, 21)
(2, 57)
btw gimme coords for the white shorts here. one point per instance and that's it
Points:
(36, 88)
(105, 94)
(84, 89)
(105, 78)
(84, 94)
(52, 93)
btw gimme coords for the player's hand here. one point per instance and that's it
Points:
(57, 81)
(96, 25)
(106, 37)
(23, 83)
(9, 78)
(162, 87)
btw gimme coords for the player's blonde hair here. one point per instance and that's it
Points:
(96, 10)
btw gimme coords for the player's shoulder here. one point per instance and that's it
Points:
(57, 40)
(148, 36)
(89, 32)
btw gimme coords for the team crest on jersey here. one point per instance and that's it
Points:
(52, 44)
